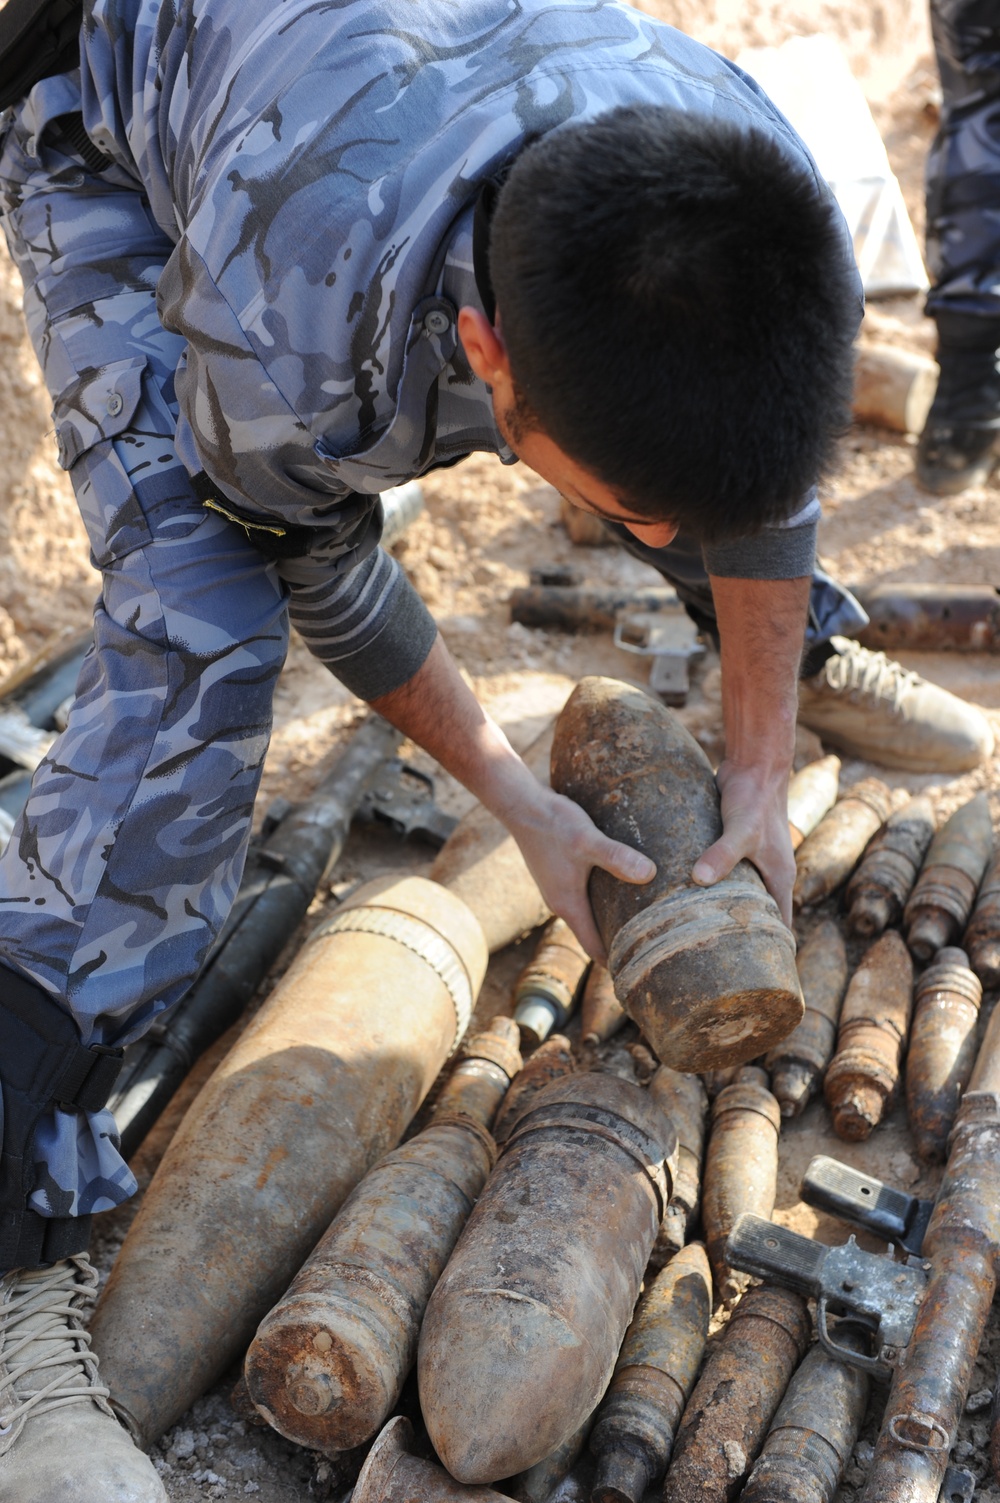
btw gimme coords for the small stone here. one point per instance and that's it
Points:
(863, 1453)
(736, 1458)
(251, 1487)
(981, 1399)
(980, 1435)
(183, 1445)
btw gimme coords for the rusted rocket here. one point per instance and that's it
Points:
(878, 891)
(942, 1049)
(638, 1418)
(741, 1168)
(942, 900)
(546, 991)
(522, 1332)
(708, 973)
(797, 1065)
(864, 1073)
(827, 857)
(684, 1100)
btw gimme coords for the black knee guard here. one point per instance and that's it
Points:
(42, 1065)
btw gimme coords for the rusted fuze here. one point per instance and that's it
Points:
(942, 900)
(741, 1168)
(864, 1073)
(942, 1049)
(685, 1101)
(798, 1064)
(878, 891)
(826, 858)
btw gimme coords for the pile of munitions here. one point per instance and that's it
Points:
(545, 1253)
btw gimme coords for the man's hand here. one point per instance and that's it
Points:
(761, 629)
(560, 843)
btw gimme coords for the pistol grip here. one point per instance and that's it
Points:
(901, 1219)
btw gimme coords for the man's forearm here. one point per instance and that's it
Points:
(761, 630)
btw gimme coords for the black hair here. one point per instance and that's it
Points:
(678, 305)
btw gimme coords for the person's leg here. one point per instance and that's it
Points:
(959, 444)
(859, 701)
(126, 859)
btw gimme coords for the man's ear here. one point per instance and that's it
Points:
(484, 346)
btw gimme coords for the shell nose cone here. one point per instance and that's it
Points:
(504, 1381)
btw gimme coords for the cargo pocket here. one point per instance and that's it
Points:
(89, 414)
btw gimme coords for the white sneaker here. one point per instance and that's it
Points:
(59, 1440)
(872, 707)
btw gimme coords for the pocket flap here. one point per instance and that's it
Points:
(99, 404)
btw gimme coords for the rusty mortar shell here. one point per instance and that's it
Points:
(328, 1363)
(818, 1421)
(540, 1481)
(982, 937)
(863, 1075)
(942, 900)
(741, 1169)
(708, 973)
(878, 891)
(481, 863)
(550, 1061)
(741, 1385)
(392, 1474)
(812, 793)
(522, 1332)
(685, 1102)
(715, 1081)
(827, 857)
(321, 1084)
(638, 1418)
(797, 1065)
(601, 1013)
(942, 1049)
(545, 993)
(479, 1082)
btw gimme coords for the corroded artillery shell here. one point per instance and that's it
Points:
(798, 1064)
(878, 891)
(741, 1386)
(864, 1073)
(522, 1332)
(942, 900)
(982, 937)
(551, 1061)
(479, 1082)
(715, 1081)
(812, 792)
(685, 1101)
(546, 991)
(942, 1049)
(638, 1418)
(320, 1085)
(741, 1168)
(827, 857)
(392, 1475)
(814, 1431)
(708, 973)
(601, 1013)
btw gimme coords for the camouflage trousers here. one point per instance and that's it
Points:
(963, 167)
(130, 851)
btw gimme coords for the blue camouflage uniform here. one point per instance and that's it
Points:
(247, 323)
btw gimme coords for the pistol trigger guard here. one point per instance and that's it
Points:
(845, 1354)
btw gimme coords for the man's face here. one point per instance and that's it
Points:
(580, 488)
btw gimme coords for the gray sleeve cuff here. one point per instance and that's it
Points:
(774, 553)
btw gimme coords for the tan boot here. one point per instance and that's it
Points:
(870, 706)
(59, 1440)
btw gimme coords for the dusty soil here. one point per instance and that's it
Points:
(483, 529)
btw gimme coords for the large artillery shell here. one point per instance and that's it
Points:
(878, 891)
(942, 1049)
(812, 793)
(480, 1081)
(942, 900)
(328, 1363)
(741, 1386)
(813, 1434)
(481, 863)
(638, 1418)
(601, 1013)
(932, 617)
(684, 1099)
(708, 973)
(798, 1064)
(962, 1245)
(863, 1074)
(522, 1332)
(392, 1475)
(545, 993)
(827, 857)
(741, 1168)
(982, 937)
(322, 1083)
(550, 1061)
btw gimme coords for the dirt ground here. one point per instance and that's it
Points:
(484, 527)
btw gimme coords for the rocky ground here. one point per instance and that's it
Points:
(484, 528)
